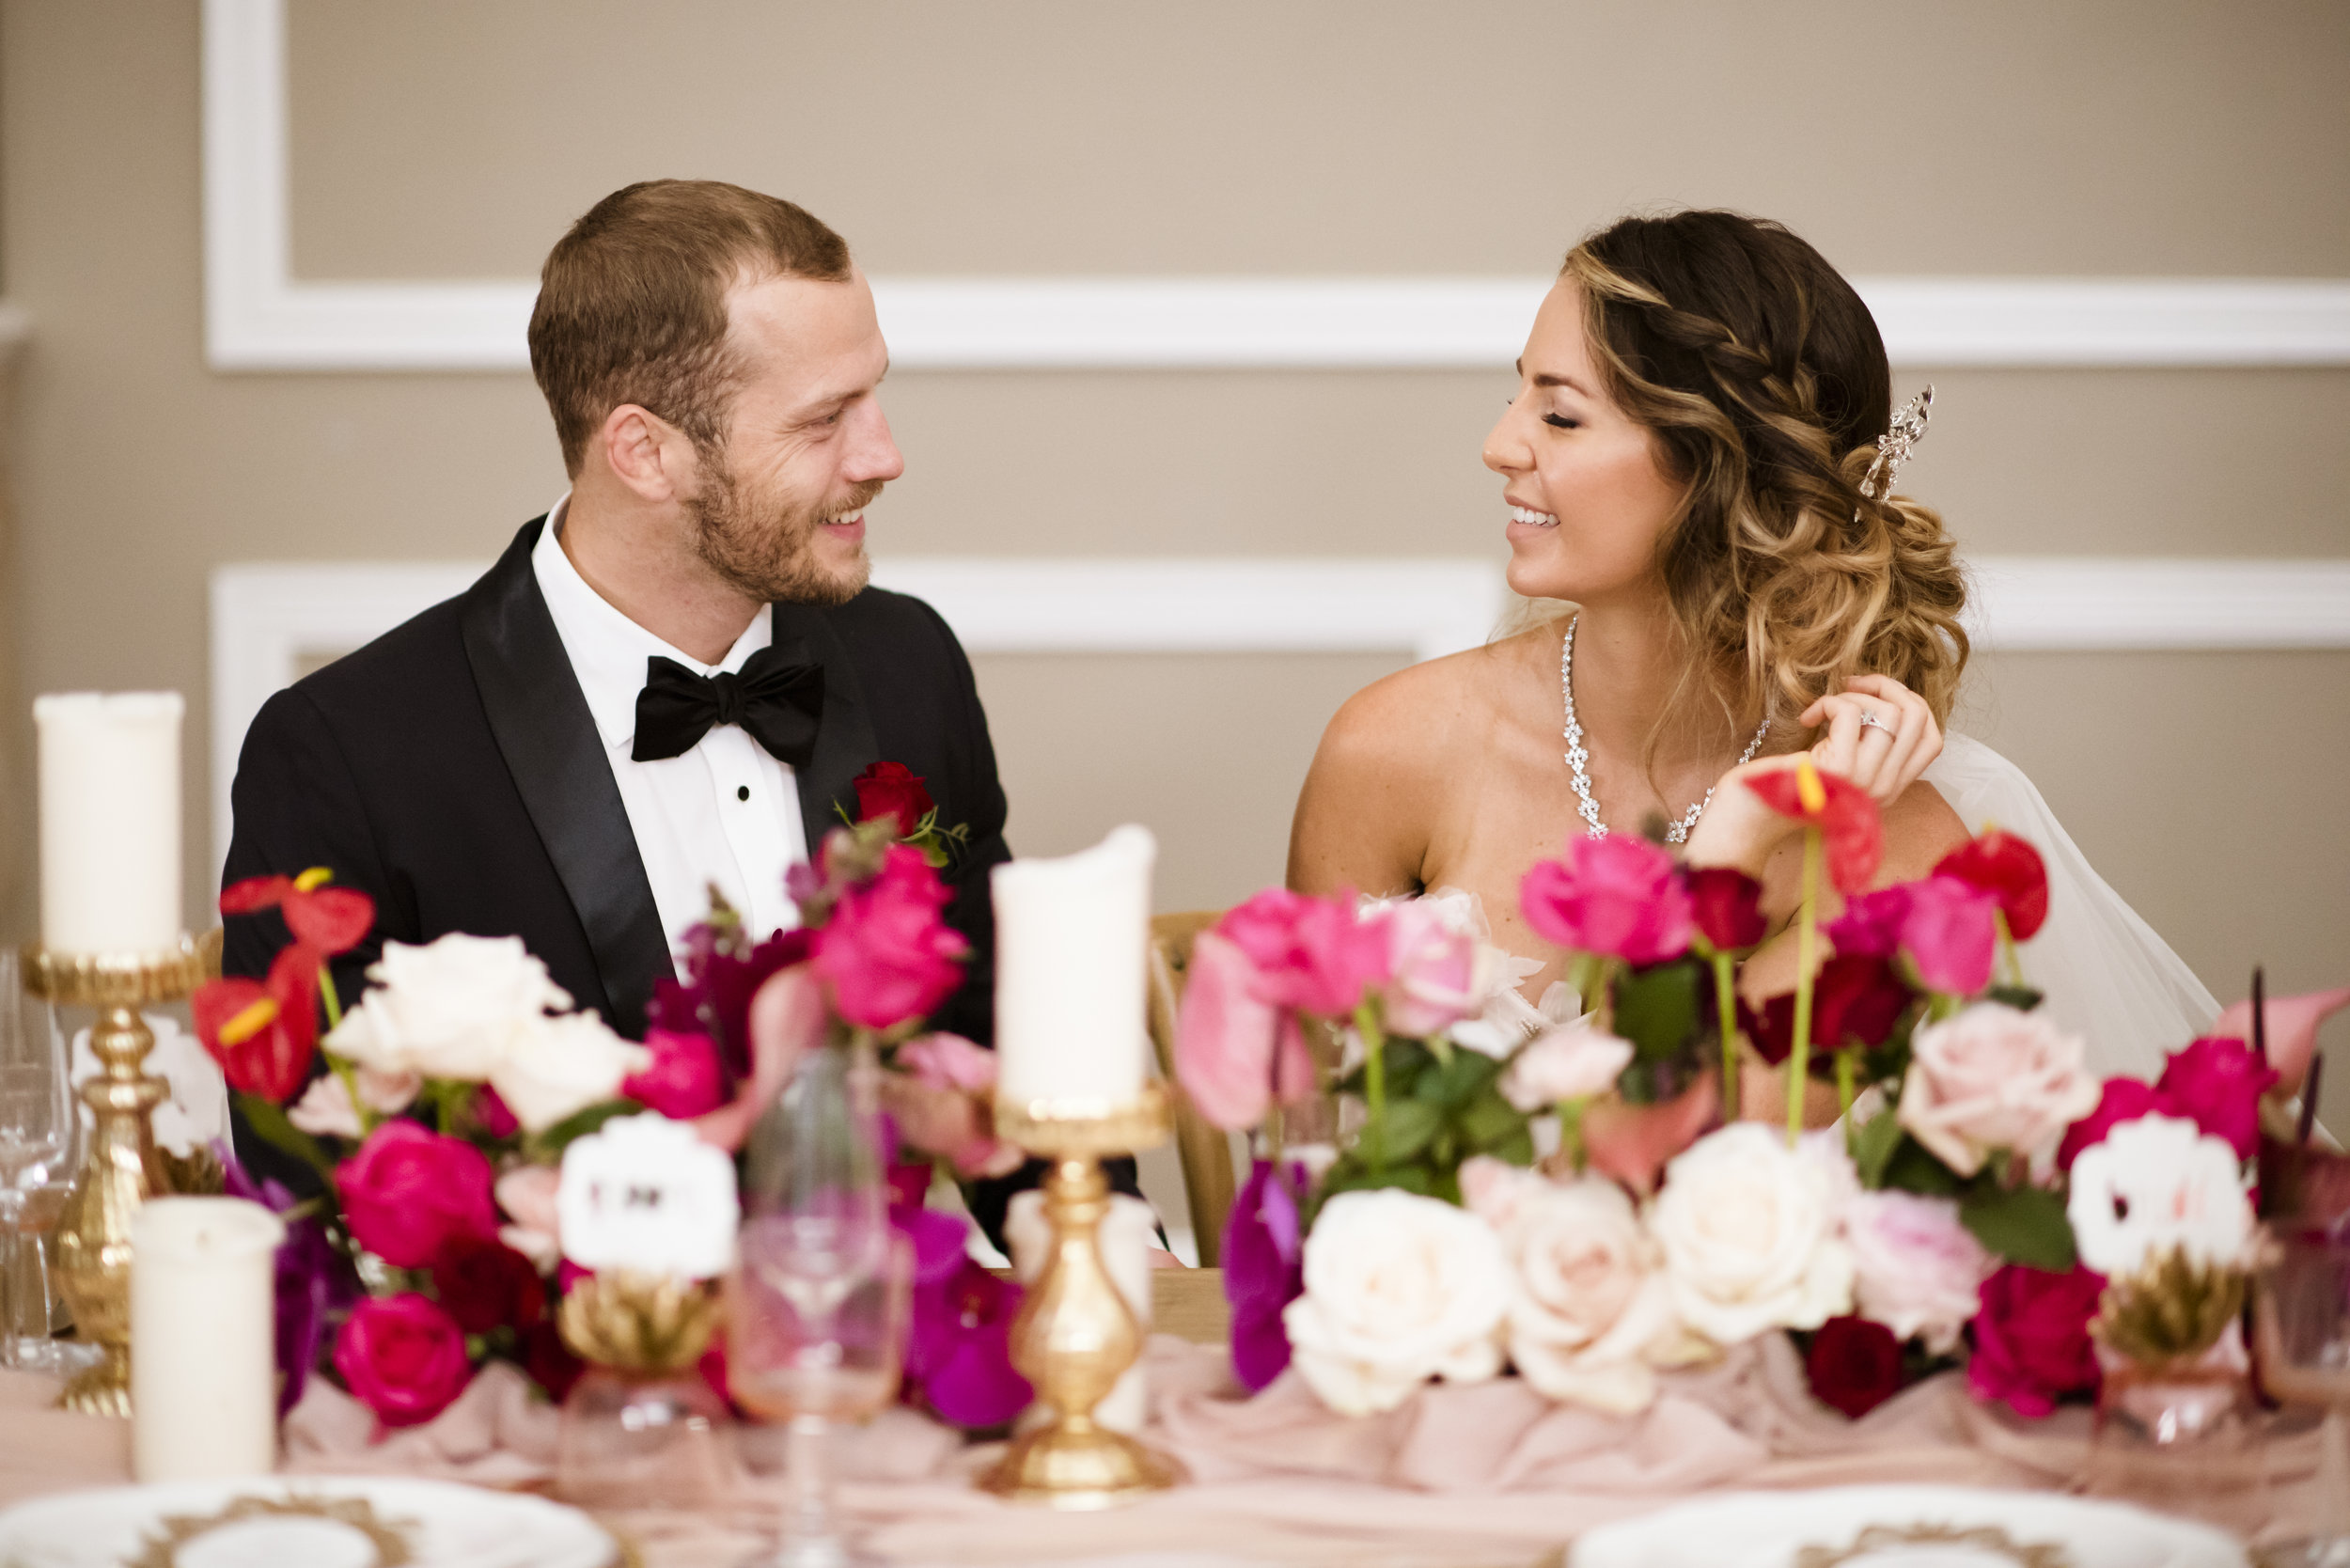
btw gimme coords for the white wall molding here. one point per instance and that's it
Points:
(268, 619)
(258, 317)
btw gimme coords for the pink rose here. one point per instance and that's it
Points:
(1235, 1052)
(2119, 1100)
(403, 1356)
(1949, 932)
(1994, 1077)
(886, 952)
(2031, 1338)
(1619, 895)
(1432, 983)
(1915, 1269)
(408, 1193)
(1312, 954)
(684, 1079)
(526, 1193)
(493, 1114)
(2218, 1083)
(941, 1099)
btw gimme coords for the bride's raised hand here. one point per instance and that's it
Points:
(1878, 734)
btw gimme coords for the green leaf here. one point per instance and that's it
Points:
(2024, 1225)
(2021, 997)
(1517, 1149)
(268, 1123)
(1912, 1168)
(1657, 1009)
(1873, 1147)
(579, 1125)
(1408, 1126)
(1455, 1083)
(1488, 1122)
(1344, 1177)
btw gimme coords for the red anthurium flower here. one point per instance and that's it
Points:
(1847, 819)
(263, 1032)
(2008, 868)
(327, 919)
(1727, 906)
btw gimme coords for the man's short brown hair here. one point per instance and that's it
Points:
(633, 302)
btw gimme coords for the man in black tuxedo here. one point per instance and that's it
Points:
(670, 681)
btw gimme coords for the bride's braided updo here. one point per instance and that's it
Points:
(1763, 380)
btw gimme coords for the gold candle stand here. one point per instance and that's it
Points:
(122, 1169)
(1075, 1336)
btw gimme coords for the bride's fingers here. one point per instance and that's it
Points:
(1919, 738)
(1838, 751)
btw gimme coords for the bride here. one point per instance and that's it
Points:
(1687, 464)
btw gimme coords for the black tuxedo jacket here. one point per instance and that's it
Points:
(450, 770)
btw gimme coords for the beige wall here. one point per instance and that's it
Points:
(451, 138)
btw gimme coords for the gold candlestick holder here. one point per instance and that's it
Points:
(1075, 1336)
(123, 1169)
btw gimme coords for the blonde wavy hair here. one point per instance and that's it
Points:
(1764, 380)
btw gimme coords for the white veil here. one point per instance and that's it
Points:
(2108, 976)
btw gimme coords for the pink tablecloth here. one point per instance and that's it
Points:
(1460, 1478)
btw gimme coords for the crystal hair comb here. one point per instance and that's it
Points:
(1901, 437)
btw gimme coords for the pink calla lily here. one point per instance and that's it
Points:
(2291, 1029)
(788, 1019)
(1235, 1052)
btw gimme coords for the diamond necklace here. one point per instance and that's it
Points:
(1678, 833)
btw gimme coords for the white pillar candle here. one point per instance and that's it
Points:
(109, 822)
(1072, 941)
(1127, 1234)
(203, 1339)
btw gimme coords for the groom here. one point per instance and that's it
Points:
(668, 682)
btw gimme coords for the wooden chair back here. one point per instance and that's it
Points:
(1204, 1151)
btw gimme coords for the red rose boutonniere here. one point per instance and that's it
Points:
(891, 792)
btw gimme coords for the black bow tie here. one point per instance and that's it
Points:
(777, 698)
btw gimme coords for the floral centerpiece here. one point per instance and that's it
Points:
(435, 1112)
(1555, 1191)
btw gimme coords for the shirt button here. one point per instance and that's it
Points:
(742, 792)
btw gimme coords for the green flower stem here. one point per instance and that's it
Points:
(1571, 1130)
(1807, 950)
(326, 992)
(1941, 1005)
(1845, 1089)
(2008, 959)
(1726, 1001)
(1374, 1082)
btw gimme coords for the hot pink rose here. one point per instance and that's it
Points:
(1312, 954)
(2031, 1338)
(1949, 932)
(1619, 895)
(2218, 1084)
(1235, 1052)
(403, 1356)
(1871, 925)
(684, 1079)
(1432, 984)
(888, 955)
(2118, 1100)
(407, 1193)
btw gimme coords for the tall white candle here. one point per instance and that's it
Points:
(1127, 1234)
(1072, 939)
(109, 821)
(203, 1359)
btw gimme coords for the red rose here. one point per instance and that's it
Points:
(889, 789)
(1855, 1000)
(2119, 1099)
(487, 1284)
(2219, 1083)
(409, 1193)
(886, 952)
(549, 1362)
(2032, 1338)
(403, 1357)
(1727, 906)
(1855, 1365)
(2008, 868)
(263, 1033)
(684, 1079)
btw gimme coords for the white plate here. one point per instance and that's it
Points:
(314, 1521)
(1825, 1529)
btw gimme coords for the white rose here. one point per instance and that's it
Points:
(1399, 1288)
(1571, 1062)
(387, 1093)
(1591, 1309)
(1747, 1227)
(325, 1109)
(2156, 1183)
(1915, 1269)
(446, 1010)
(554, 1067)
(1994, 1077)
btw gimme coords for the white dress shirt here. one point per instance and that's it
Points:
(724, 812)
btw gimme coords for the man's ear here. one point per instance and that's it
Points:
(647, 453)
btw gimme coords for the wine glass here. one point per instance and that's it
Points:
(40, 1140)
(817, 1317)
(2301, 1334)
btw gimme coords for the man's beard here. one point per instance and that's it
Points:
(765, 549)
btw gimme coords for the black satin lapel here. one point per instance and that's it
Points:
(844, 738)
(549, 740)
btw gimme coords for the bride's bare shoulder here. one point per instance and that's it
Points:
(1421, 715)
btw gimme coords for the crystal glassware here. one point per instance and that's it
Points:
(40, 1148)
(817, 1310)
(2301, 1338)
